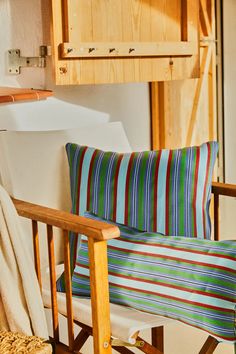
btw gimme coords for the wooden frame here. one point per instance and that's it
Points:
(98, 233)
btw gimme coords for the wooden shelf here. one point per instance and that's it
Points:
(9, 94)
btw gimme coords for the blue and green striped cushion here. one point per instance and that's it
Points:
(190, 280)
(166, 191)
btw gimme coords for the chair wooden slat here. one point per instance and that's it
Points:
(52, 270)
(69, 305)
(36, 252)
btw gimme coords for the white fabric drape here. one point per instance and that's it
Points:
(21, 307)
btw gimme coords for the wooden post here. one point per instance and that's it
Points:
(100, 296)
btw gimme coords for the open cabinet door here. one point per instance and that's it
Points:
(184, 112)
(100, 41)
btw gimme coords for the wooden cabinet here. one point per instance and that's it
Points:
(112, 41)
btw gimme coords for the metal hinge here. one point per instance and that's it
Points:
(16, 62)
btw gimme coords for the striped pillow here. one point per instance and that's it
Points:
(166, 191)
(191, 280)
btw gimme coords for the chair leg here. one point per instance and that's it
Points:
(158, 338)
(209, 346)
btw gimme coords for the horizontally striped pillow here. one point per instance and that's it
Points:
(191, 280)
(166, 191)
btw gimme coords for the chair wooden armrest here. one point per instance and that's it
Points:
(224, 189)
(218, 189)
(98, 233)
(96, 230)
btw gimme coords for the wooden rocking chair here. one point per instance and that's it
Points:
(98, 233)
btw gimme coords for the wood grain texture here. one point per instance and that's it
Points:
(9, 94)
(127, 22)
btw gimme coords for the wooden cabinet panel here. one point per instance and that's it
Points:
(184, 112)
(109, 41)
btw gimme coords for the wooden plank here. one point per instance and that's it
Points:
(69, 306)
(52, 272)
(11, 94)
(131, 49)
(36, 252)
(66, 221)
(99, 296)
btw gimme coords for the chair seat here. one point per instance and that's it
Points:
(135, 320)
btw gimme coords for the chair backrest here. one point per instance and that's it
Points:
(34, 167)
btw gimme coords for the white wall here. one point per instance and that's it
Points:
(25, 25)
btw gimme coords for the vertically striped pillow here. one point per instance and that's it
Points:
(166, 191)
(188, 279)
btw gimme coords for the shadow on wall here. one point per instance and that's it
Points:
(51, 114)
